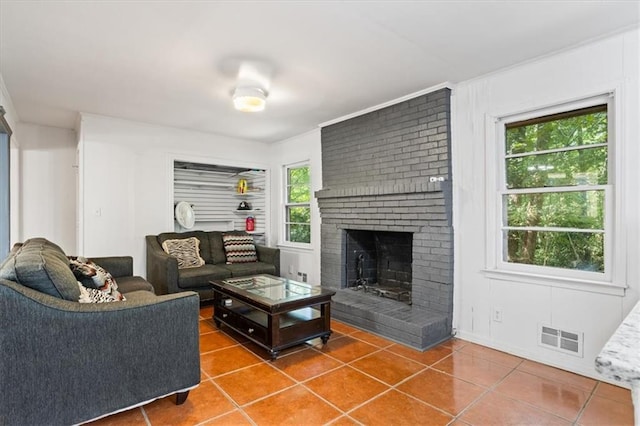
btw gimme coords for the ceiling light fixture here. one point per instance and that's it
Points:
(249, 99)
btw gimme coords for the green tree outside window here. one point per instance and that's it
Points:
(297, 205)
(554, 197)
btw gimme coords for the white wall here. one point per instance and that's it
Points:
(305, 147)
(126, 185)
(48, 175)
(610, 64)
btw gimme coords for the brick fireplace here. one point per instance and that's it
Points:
(388, 172)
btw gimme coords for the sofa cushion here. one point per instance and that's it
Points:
(127, 285)
(218, 255)
(42, 266)
(253, 268)
(93, 276)
(205, 250)
(239, 248)
(186, 251)
(200, 277)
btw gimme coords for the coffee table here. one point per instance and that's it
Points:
(273, 312)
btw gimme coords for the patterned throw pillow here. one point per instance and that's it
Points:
(93, 295)
(239, 248)
(98, 284)
(186, 251)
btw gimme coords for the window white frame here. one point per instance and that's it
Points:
(499, 268)
(286, 204)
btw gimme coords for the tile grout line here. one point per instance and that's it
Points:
(393, 387)
(527, 403)
(146, 417)
(233, 402)
(561, 383)
(586, 403)
(488, 390)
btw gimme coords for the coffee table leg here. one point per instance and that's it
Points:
(274, 355)
(325, 339)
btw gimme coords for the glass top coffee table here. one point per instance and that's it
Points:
(273, 312)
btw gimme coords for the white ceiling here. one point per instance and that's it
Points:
(175, 63)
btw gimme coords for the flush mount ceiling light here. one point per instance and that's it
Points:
(249, 99)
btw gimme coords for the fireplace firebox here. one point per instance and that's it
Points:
(379, 262)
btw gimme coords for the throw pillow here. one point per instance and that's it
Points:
(186, 251)
(239, 248)
(94, 277)
(93, 295)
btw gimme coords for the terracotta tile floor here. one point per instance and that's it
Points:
(358, 378)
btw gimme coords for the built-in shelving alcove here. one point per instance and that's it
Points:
(212, 190)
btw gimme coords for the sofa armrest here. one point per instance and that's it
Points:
(64, 362)
(117, 266)
(162, 269)
(269, 255)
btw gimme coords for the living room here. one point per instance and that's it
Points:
(100, 186)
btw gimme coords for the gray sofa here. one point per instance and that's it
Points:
(164, 275)
(65, 362)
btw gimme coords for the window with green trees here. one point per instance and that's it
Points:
(556, 190)
(297, 204)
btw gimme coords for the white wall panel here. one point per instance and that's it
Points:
(109, 220)
(48, 184)
(523, 307)
(598, 67)
(597, 315)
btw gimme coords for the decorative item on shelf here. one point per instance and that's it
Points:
(250, 224)
(244, 206)
(243, 186)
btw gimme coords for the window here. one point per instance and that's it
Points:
(556, 193)
(5, 185)
(297, 224)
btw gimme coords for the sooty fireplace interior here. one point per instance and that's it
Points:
(379, 262)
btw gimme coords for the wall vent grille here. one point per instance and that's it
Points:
(570, 342)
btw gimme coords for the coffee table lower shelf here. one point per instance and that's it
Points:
(273, 331)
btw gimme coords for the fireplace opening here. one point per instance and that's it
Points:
(379, 262)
